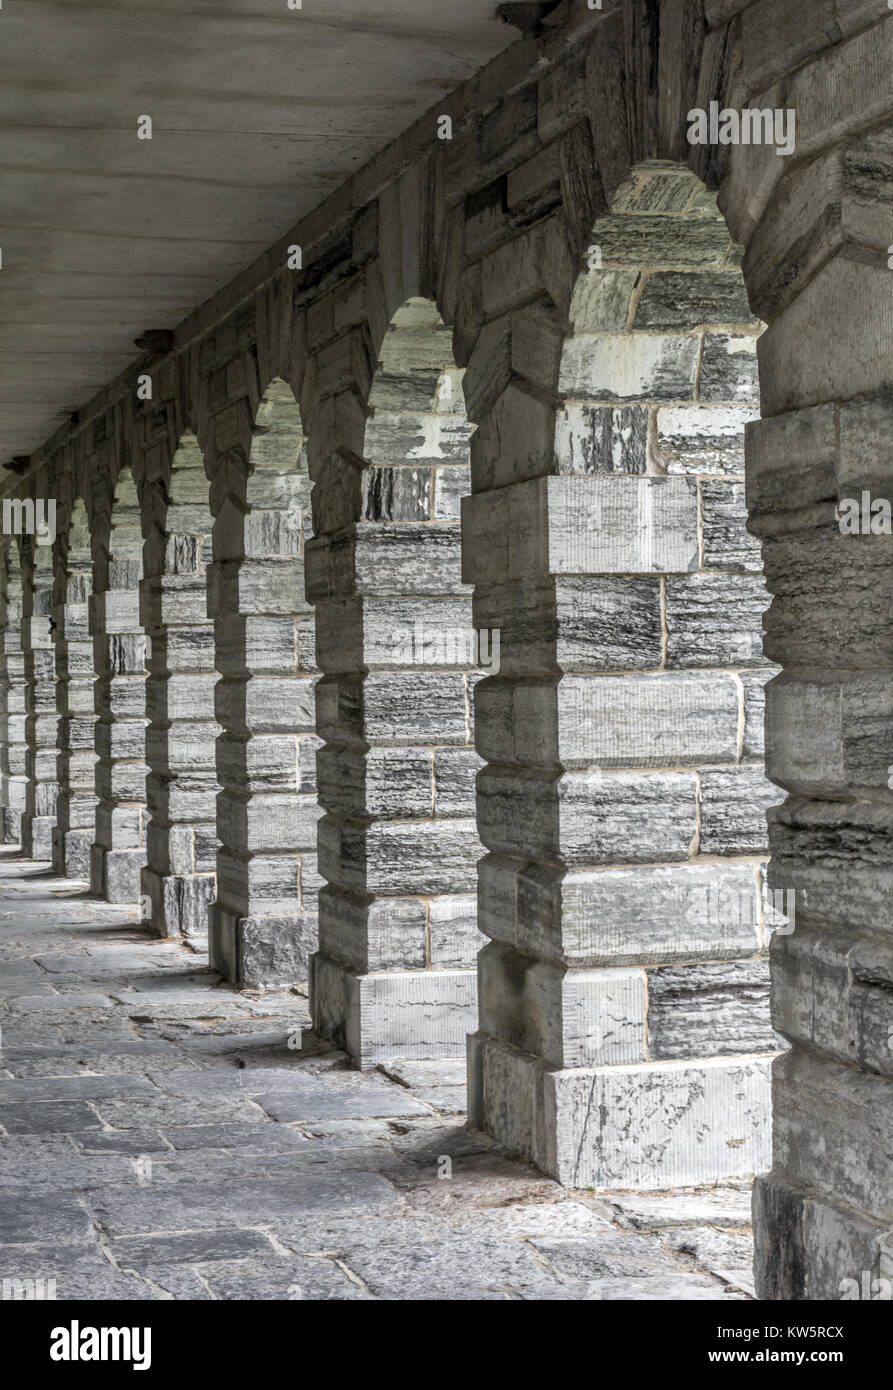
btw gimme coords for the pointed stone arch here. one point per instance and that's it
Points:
(41, 717)
(263, 923)
(179, 879)
(14, 746)
(75, 672)
(120, 653)
(394, 975)
(627, 805)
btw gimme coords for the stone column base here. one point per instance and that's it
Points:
(12, 826)
(418, 1015)
(38, 835)
(644, 1127)
(260, 952)
(808, 1247)
(71, 852)
(115, 874)
(180, 903)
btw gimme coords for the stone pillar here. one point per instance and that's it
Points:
(12, 674)
(120, 650)
(180, 876)
(624, 1036)
(75, 679)
(263, 923)
(41, 718)
(818, 229)
(394, 976)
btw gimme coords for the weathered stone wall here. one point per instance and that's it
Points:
(817, 229)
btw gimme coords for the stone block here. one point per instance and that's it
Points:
(379, 935)
(689, 299)
(710, 1011)
(576, 525)
(703, 438)
(378, 1018)
(643, 915)
(634, 367)
(601, 439)
(734, 801)
(715, 620)
(588, 817)
(454, 935)
(434, 856)
(727, 545)
(574, 1018)
(728, 369)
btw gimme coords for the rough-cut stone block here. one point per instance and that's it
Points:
(703, 438)
(640, 239)
(368, 934)
(576, 525)
(378, 1018)
(455, 939)
(687, 299)
(734, 801)
(709, 1011)
(601, 301)
(715, 620)
(601, 439)
(568, 1018)
(661, 720)
(658, 1126)
(829, 736)
(728, 369)
(589, 818)
(637, 367)
(727, 544)
(627, 916)
(434, 856)
(754, 683)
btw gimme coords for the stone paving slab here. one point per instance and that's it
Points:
(162, 1137)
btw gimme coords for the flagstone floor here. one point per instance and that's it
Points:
(162, 1136)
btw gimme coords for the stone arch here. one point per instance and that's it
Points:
(627, 806)
(394, 975)
(14, 746)
(41, 718)
(179, 878)
(120, 654)
(263, 923)
(75, 673)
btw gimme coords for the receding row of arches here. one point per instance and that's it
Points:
(272, 726)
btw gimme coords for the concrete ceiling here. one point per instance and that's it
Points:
(258, 112)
